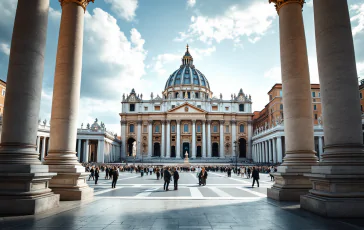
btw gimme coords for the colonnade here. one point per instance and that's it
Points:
(42, 146)
(105, 152)
(268, 151)
(335, 186)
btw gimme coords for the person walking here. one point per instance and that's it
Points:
(97, 174)
(248, 172)
(167, 179)
(175, 178)
(255, 176)
(157, 173)
(203, 177)
(271, 171)
(115, 176)
(107, 173)
(92, 173)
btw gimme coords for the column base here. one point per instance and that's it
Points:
(337, 191)
(290, 183)
(70, 182)
(24, 190)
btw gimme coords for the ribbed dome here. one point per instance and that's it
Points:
(187, 74)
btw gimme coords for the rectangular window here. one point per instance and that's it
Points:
(361, 95)
(214, 128)
(241, 108)
(131, 128)
(132, 107)
(185, 128)
(199, 128)
(314, 100)
(173, 138)
(226, 129)
(214, 108)
(157, 108)
(270, 97)
(227, 108)
(173, 106)
(173, 128)
(315, 116)
(319, 94)
(144, 128)
(199, 106)
(280, 93)
(145, 108)
(3, 92)
(157, 128)
(314, 107)
(313, 94)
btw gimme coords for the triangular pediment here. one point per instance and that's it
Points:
(186, 108)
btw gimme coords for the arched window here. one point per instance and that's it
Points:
(157, 128)
(131, 128)
(241, 128)
(241, 108)
(185, 128)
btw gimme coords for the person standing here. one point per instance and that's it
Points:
(97, 174)
(167, 178)
(115, 176)
(158, 173)
(255, 176)
(248, 172)
(107, 173)
(203, 177)
(175, 178)
(92, 174)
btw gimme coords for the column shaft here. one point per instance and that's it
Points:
(222, 138)
(123, 139)
(209, 144)
(168, 147)
(193, 138)
(163, 140)
(233, 135)
(150, 138)
(178, 145)
(79, 149)
(279, 150)
(269, 142)
(203, 139)
(274, 150)
(139, 140)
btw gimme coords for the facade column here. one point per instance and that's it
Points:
(320, 147)
(203, 154)
(38, 144)
(270, 151)
(100, 151)
(260, 152)
(168, 147)
(233, 137)
(123, 139)
(279, 149)
(209, 144)
(42, 155)
(253, 152)
(274, 151)
(222, 155)
(193, 138)
(86, 152)
(298, 126)
(266, 152)
(338, 181)
(79, 149)
(139, 139)
(250, 135)
(163, 141)
(150, 138)
(24, 180)
(178, 145)
(70, 181)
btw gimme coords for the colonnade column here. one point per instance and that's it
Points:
(300, 155)
(150, 138)
(71, 176)
(320, 146)
(139, 139)
(79, 149)
(233, 137)
(222, 138)
(86, 152)
(270, 160)
(266, 152)
(163, 142)
(279, 150)
(23, 187)
(168, 147)
(274, 151)
(38, 144)
(42, 155)
(260, 152)
(123, 138)
(209, 138)
(253, 152)
(250, 132)
(338, 181)
(203, 139)
(178, 145)
(193, 138)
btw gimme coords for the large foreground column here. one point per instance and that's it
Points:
(338, 180)
(70, 181)
(297, 103)
(23, 179)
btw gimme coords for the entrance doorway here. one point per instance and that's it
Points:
(215, 150)
(157, 150)
(173, 151)
(198, 154)
(242, 148)
(186, 147)
(130, 146)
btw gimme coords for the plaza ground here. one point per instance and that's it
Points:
(141, 203)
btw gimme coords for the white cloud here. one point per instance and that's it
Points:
(358, 11)
(5, 48)
(251, 22)
(124, 9)
(309, 3)
(191, 3)
(360, 69)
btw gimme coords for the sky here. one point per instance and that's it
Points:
(139, 44)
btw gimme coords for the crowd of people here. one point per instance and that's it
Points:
(169, 173)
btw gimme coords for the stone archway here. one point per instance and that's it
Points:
(157, 149)
(215, 149)
(130, 146)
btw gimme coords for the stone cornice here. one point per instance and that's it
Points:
(82, 3)
(280, 3)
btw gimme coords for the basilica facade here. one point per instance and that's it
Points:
(186, 118)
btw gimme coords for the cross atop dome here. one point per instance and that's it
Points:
(187, 58)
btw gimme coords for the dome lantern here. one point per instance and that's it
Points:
(187, 58)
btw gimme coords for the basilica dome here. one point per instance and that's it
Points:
(187, 75)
